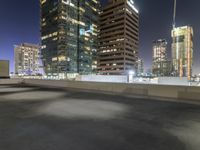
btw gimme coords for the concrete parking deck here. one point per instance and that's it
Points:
(34, 118)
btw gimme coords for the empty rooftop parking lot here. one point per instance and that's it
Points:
(35, 118)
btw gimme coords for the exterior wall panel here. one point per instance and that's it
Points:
(4, 69)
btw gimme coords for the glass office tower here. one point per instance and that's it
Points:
(182, 51)
(69, 36)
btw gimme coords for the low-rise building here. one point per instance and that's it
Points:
(26, 59)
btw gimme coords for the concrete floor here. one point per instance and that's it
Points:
(33, 118)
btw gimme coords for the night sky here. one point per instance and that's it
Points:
(19, 22)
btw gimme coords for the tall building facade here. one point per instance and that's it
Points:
(161, 65)
(27, 59)
(119, 38)
(69, 36)
(182, 51)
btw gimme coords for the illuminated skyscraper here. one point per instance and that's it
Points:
(27, 59)
(119, 38)
(69, 36)
(182, 51)
(159, 50)
(140, 67)
(161, 66)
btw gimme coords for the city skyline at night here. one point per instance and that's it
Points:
(100, 75)
(20, 22)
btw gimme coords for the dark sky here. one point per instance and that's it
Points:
(19, 22)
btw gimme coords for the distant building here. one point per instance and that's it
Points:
(161, 65)
(4, 69)
(140, 67)
(119, 38)
(148, 72)
(26, 59)
(182, 51)
(69, 36)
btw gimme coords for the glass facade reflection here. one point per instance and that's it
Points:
(69, 36)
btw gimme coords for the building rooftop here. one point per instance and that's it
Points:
(28, 45)
(56, 119)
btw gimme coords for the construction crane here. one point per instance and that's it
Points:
(174, 16)
(173, 30)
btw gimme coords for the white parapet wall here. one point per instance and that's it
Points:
(136, 80)
(103, 78)
(173, 81)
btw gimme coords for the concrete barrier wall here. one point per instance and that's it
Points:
(10, 81)
(148, 91)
